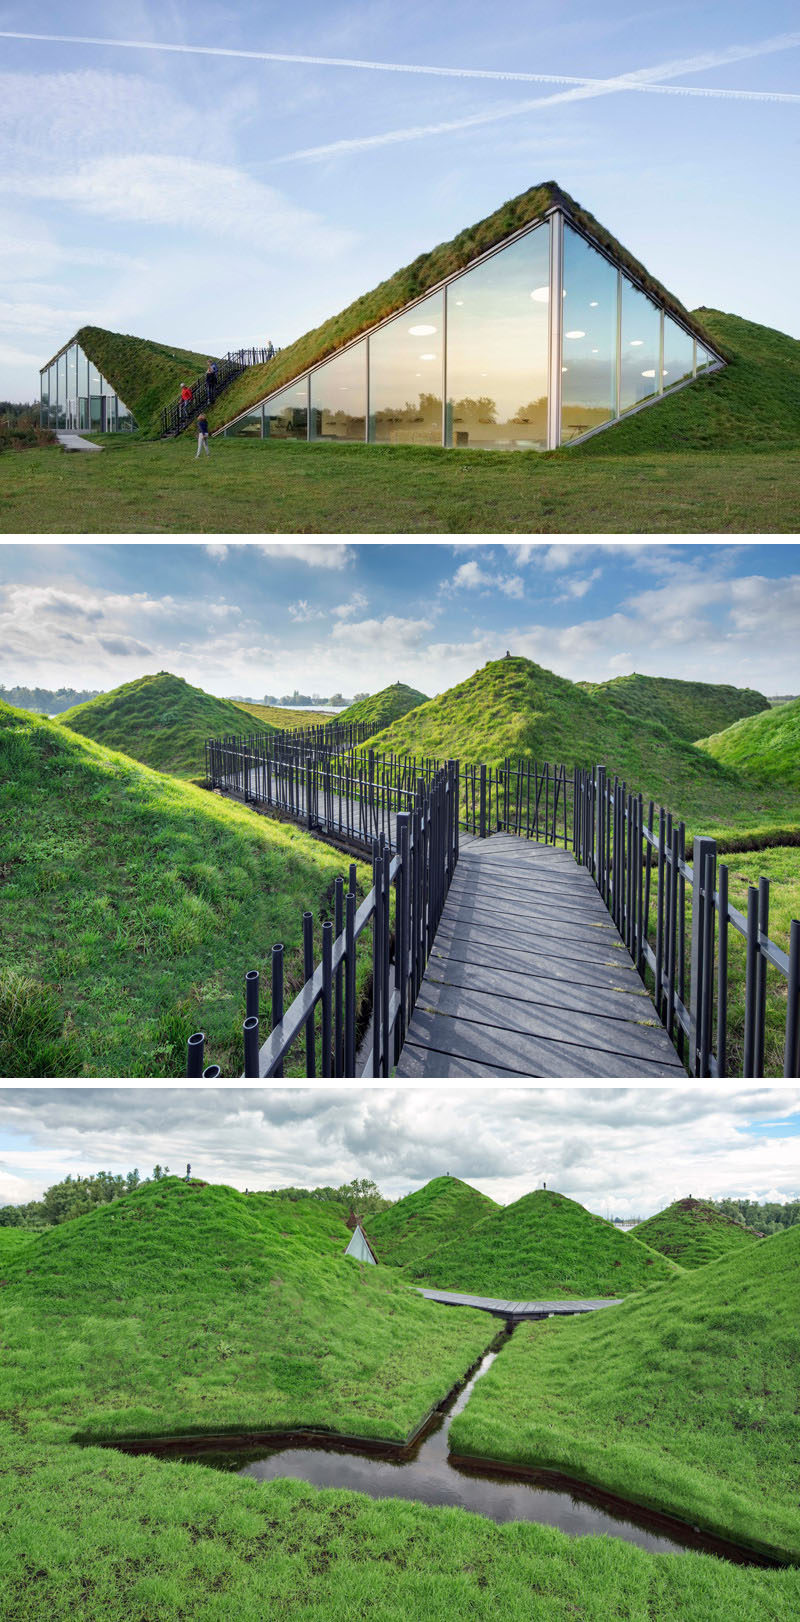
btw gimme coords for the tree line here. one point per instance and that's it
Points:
(77, 1196)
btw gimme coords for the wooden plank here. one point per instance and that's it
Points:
(616, 972)
(621, 1037)
(502, 945)
(603, 1001)
(525, 928)
(437, 1046)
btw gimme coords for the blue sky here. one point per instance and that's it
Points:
(620, 1151)
(215, 201)
(267, 617)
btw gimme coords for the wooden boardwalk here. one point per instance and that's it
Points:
(528, 976)
(520, 1309)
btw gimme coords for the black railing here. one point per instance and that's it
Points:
(403, 928)
(675, 920)
(253, 357)
(176, 417)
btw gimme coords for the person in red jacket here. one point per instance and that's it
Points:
(186, 395)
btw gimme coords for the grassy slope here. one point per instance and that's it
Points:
(513, 707)
(146, 375)
(766, 746)
(754, 402)
(544, 1246)
(12, 1242)
(694, 1233)
(411, 282)
(161, 720)
(385, 707)
(685, 1398)
(417, 1226)
(688, 708)
(133, 904)
(273, 715)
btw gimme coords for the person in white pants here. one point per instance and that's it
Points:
(202, 434)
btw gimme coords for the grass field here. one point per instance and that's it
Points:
(281, 487)
(381, 709)
(133, 904)
(416, 1227)
(685, 1397)
(694, 1233)
(766, 746)
(273, 715)
(161, 720)
(690, 709)
(543, 1246)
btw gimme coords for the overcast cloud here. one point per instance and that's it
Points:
(619, 1151)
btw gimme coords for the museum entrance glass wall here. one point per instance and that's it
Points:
(75, 395)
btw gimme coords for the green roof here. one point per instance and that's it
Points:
(420, 277)
(145, 374)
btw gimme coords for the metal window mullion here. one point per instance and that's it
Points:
(445, 292)
(618, 401)
(555, 325)
(366, 411)
(661, 351)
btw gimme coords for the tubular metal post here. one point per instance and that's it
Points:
(350, 986)
(385, 864)
(482, 829)
(327, 998)
(722, 973)
(791, 1052)
(250, 1030)
(277, 992)
(308, 974)
(698, 1020)
(751, 983)
(761, 1005)
(212, 1072)
(708, 962)
(338, 920)
(402, 900)
(377, 954)
(251, 983)
(195, 1048)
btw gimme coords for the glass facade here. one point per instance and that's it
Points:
(75, 395)
(497, 349)
(640, 347)
(678, 353)
(588, 338)
(406, 364)
(486, 346)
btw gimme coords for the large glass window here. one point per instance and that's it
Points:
(61, 414)
(497, 348)
(703, 358)
(339, 396)
(405, 377)
(639, 349)
(248, 427)
(286, 416)
(678, 353)
(589, 338)
(44, 398)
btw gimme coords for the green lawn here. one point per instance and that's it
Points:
(543, 1246)
(416, 1227)
(281, 487)
(690, 709)
(161, 720)
(684, 1398)
(766, 745)
(694, 1233)
(381, 709)
(132, 905)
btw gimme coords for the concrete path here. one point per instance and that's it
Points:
(519, 1309)
(528, 976)
(74, 442)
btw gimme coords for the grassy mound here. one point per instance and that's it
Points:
(145, 374)
(135, 903)
(273, 715)
(689, 709)
(544, 1246)
(513, 707)
(185, 1308)
(419, 277)
(417, 1227)
(694, 1232)
(685, 1398)
(753, 403)
(161, 720)
(381, 709)
(766, 746)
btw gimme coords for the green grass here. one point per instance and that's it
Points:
(273, 715)
(781, 866)
(381, 709)
(688, 708)
(694, 1233)
(543, 1246)
(416, 1227)
(133, 903)
(161, 720)
(146, 375)
(513, 707)
(765, 746)
(684, 1398)
(12, 1242)
(157, 488)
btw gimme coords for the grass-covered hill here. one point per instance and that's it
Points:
(426, 272)
(146, 375)
(753, 403)
(189, 1308)
(693, 1233)
(274, 715)
(385, 707)
(544, 1246)
(684, 1398)
(689, 709)
(133, 903)
(161, 720)
(765, 746)
(514, 708)
(414, 1228)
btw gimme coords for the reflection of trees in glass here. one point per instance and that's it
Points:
(532, 412)
(481, 410)
(429, 406)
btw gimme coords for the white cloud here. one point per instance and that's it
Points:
(301, 612)
(471, 577)
(322, 555)
(217, 550)
(354, 605)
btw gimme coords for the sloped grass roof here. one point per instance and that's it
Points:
(416, 1227)
(416, 279)
(766, 746)
(691, 709)
(694, 1233)
(161, 720)
(145, 374)
(385, 707)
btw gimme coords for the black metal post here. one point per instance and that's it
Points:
(250, 1029)
(195, 1048)
(277, 992)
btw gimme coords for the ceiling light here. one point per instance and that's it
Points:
(636, 343)
(460, 301)
(427, 357)
(593, 303)
(595, 351)
(565, 368)
(651, 373)
(421, 331)
(541, 295)
(576, 334)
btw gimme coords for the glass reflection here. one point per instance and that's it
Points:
(248, 427)
(76, 396)
(339, 396)
(678, 353)
(286, 415)
(405, 377)
(703, 358)
(589, 340)
(497, 349)
(639, 349)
